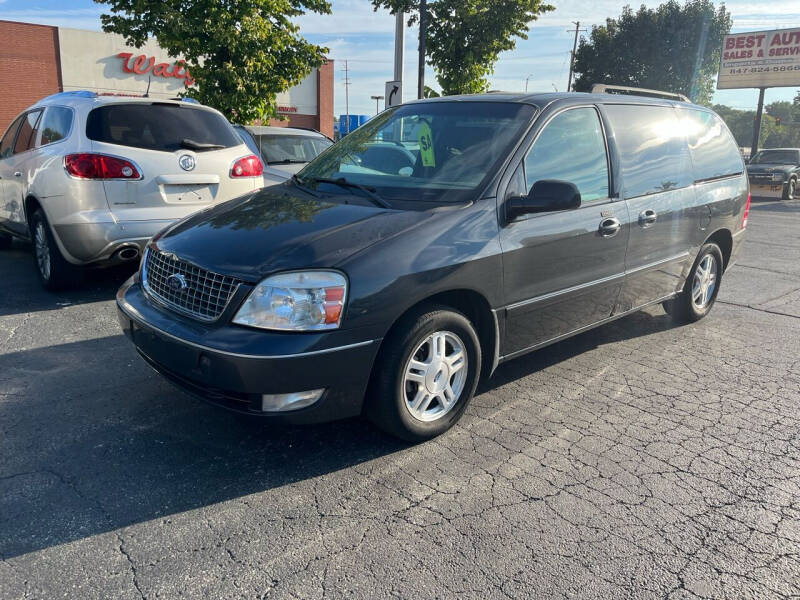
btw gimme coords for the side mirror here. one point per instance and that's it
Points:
(546, 195)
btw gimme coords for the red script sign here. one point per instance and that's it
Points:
(142, 65)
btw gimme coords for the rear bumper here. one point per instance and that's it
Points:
(738, 238)
(85, 243)
(236, 377)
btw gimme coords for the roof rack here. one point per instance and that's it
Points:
(602, 88)
(73, 94)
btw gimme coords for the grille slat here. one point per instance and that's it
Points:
(206, 294)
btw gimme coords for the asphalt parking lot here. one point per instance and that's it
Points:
(640, 460)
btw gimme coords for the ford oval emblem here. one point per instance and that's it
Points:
(187, 162)
(176, 282)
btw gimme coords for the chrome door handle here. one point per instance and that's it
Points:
(610, 227)
(18, 174)
(647, 217)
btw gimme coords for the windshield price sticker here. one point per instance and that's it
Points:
(426, 145)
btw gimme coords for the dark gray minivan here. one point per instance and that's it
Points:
(443, 237)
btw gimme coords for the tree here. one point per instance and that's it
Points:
(465, 37)
(780, 110)
(241, 53)
(672, 48)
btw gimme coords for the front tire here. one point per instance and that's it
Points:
(790, 193)
(701, 288)
(425, 375)
(55, 273)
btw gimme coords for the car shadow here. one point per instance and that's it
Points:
(92, 441)
(21, 291)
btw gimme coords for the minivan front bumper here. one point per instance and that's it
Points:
(220, 365)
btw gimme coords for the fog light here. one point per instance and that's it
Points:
(293, 401)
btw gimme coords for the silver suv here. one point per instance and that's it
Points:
(90, 178)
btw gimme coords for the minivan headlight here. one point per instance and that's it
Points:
(297, 301)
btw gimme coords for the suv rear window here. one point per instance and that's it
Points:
(714, 151)
(166, 127)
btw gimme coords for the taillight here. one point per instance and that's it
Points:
(100, 166)
(249, 166)
(746, 212)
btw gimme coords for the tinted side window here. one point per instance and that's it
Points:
(7, 144)
(571, 148)
(56, 124)
(653, 150)
(166, 127)
(714, 152)
(27, 132)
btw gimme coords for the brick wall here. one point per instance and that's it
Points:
(323, 121)
(29, 67)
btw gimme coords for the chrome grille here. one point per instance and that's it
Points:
(199, 293)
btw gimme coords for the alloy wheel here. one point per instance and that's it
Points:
(435, 375)
(704, 283)
(42, 250)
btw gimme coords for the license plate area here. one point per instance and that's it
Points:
(189, 193)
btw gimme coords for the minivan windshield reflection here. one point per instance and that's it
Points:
(428, 152)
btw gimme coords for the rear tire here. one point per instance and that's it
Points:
(790, 193)
(55, 273)
(425, 375)
(6, 241)
(701, 288)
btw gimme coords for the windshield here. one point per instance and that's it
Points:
(290, 148)
(431, 152)
(776, 157)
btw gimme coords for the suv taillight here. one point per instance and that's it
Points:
(746, 212)
(248, 166)
(100, 166)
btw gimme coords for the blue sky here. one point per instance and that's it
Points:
(365, 39)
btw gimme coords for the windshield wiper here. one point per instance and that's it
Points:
(199, 146)
(286, 161)
(342, 182)
(301, 184)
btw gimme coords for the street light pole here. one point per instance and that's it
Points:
(423, 8)
(377, 106)
(526, 82)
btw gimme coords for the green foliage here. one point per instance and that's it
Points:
(241, 53)
(772, 135)
(673, 48)
(465, 37)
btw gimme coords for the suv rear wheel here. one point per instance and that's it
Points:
(426, 375)
(701, 287)
(54, 271)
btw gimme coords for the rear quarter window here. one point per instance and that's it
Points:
(56, 124)
(653, 149)
(155, 126)
(712, 147)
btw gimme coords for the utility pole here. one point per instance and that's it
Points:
(377, 99)
(399, 44)
(346, 97)
(757, 124)
(572, 55)
(423, 9)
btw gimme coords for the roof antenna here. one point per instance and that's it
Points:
(147, 93)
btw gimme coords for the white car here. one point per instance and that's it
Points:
(284, 150)
(90, 178)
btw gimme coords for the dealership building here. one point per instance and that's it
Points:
(39, 60)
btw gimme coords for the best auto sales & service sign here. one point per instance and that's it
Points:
(760, 59)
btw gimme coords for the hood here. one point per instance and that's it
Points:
(769, 168)
(277, 229)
